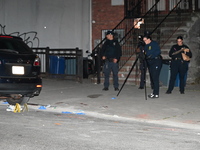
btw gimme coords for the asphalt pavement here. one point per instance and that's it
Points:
(71, 97)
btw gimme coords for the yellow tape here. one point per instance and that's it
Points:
(25, 107)
(17, 108)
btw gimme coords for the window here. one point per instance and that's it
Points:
(117, 2)
(183, 5)
(160, 6)
(13, 45)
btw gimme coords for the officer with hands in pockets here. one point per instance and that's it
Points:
(111, 53)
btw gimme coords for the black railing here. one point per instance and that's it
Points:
(127, 41)
(197, 5)
(155, 21)
(132, 8)
(164, 27)
(61, 63)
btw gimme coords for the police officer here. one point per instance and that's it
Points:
(154, 63)
(178, 65)
(111, 53)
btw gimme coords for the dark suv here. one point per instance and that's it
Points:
(19, 71)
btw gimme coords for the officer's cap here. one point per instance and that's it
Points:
(110, 32)
(147, 33)
(179, 37)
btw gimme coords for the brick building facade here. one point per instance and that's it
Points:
(105, 16)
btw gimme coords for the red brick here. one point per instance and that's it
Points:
(105, 17)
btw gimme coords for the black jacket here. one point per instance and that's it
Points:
(111, 49)
(176, 48)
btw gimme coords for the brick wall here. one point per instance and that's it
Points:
(104, 16)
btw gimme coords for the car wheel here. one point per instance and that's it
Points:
(21, 101)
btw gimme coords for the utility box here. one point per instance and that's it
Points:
(56, 65)
(70, 64)
(165, 72)
(177, 83)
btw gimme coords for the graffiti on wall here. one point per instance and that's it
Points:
(30, 38)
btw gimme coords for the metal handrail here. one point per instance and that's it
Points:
(167, 16)
(132, 30)
(98, 45)
(128, 35)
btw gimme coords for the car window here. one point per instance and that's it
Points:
(16, 45)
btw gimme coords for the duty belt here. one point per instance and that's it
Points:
(109, 59)
(176, 59)
(158, 57)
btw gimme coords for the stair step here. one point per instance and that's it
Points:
(170, 28)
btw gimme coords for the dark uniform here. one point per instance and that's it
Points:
(111, 50)
(178, 66)
(154, 64)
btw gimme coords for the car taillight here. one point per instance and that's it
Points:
(6, 36)
(36, 62)
(38, 85)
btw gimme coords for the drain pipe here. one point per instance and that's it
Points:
(193, 5)
(90, 28)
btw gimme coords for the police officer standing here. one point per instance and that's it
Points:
(178, 64)
(111, 53)
(154, 63)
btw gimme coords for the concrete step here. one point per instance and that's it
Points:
(169, 30)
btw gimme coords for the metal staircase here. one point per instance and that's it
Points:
(163, 27)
